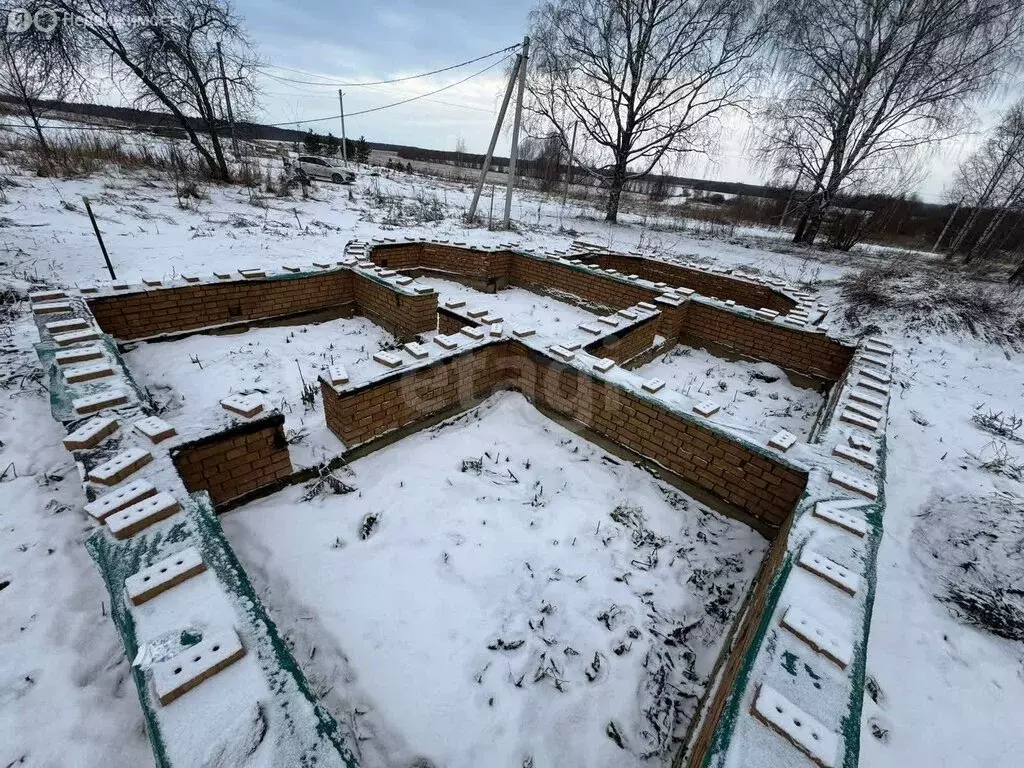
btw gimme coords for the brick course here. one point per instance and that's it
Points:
(232, 463)
(403, 315)
(173, 310)
(812, 354)
(750, 480)
(626, 344)
(747, 294)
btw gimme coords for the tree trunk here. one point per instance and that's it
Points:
(798, 234)
(815, 216)
(44, 148)
(981, 246)
(223, 172)
(611, 213)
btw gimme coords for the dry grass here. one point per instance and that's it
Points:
(935, 298)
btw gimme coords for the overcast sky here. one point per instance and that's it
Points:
(364, 41)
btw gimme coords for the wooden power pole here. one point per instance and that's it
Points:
(513, 154)
(344, 143)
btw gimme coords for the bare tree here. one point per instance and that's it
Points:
(177, 49)
(38, 62)
(991, 181)
(543, 157)
(642, 78)
(866, 83)
(165, 52)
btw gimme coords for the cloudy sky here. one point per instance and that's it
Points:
(365, 41)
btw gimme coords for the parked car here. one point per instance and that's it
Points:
(325, 168)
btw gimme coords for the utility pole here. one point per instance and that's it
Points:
(572, 154)
(344, 143)
(227, 101)
(513, 154)
(942, 234)
(494, 139)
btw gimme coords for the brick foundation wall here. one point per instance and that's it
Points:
(498, 268)
(397, 257)
(747, 479)
(449, 323)
(404, 315)
(592, 288)
(672, 320)
(707, 283)
(364, 414)
(744, 633)
(236, 462)
(812, 354)
(750, 480)
(188, 307)
(625, 344)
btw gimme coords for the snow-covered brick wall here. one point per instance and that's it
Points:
(236, 462)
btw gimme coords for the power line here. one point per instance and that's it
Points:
(395, 103)
(309, 93)
(334, 84)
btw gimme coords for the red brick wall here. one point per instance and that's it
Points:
(172, 310)
(812, 354)
(406, 316)
(232, 463)
(503, 267)
(449, 323)
(751, 480)
(672, 320)
(732, 656)
(723, 287)
(591, 287)
(401, 399)
(626, 344)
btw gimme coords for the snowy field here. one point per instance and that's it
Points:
(66, 696)
(498, 590)
(943, 691)
(759, 394)
(189, 377)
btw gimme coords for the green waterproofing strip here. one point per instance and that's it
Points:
(727, 722)
(308, 733)
(61, 394)
(850, 724)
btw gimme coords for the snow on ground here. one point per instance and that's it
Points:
(149, 232)
(66, 695)
(760, 394)
(189, 377)
(498, 590)
(947, 692)
(516, 306)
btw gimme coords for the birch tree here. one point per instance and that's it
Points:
(991, 181)
(866, 83)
